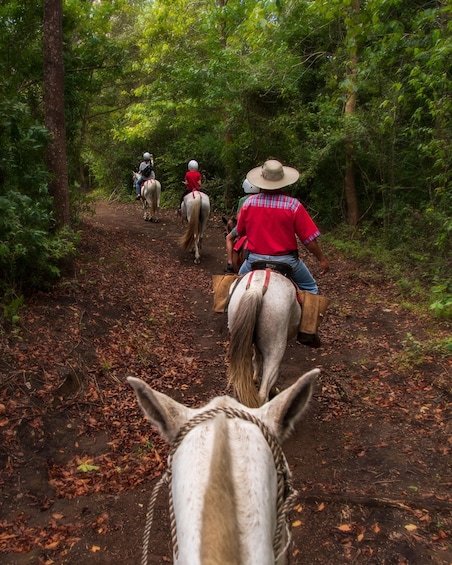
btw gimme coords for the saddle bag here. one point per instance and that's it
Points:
(313, 308)
(221, 285)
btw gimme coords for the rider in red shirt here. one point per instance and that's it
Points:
(272, 220)
(192, 180)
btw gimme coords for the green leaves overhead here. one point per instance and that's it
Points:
(232, 82)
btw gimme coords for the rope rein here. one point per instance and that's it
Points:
(286, 494)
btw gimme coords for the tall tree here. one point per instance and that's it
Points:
(54, 108)
(351, 197)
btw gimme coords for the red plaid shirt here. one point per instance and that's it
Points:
(271, 220)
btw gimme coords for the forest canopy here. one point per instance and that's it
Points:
(356, 94)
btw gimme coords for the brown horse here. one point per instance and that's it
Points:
(239, 244)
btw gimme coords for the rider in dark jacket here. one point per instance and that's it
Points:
(146, 172)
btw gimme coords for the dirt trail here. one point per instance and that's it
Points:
(371, 460)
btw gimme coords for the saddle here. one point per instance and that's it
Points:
(313, 306)
(279, 266)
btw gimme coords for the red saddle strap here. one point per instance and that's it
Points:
(266, 280)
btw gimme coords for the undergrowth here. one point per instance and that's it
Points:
(420, 274)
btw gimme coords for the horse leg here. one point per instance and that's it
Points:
(143, 200)
(197, 253)
(157, 207)
(270, 369)
(154, 207)
(257, 366)
(269, 379)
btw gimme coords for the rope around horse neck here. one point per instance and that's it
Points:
(286, 494)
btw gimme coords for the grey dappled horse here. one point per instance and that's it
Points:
(263, 314)
(151, 190)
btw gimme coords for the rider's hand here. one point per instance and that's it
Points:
(325, 266)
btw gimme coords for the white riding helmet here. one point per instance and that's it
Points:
(147, 156)
(249, 188)
(193, 165)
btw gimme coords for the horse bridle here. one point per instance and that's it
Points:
(286, 493)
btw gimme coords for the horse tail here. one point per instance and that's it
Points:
(154, 197)
(188, 239)
(241, 370)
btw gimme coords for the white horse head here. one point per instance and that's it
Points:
(196, 210)
(228, 473)
(135, 177)
(263, 314)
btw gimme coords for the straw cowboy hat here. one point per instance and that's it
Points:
(272, 175)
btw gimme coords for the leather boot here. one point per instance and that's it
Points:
(312, 313)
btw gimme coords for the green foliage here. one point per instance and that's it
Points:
(405, 256)
(231, 84)
(11, 307)
(30, 250)
(30, 253)
(415, 351)
(442, 303)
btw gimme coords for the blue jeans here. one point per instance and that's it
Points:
(138, 185)
(300, 273)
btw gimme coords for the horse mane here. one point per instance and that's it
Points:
(188, 239)
(220, 534)
(240, 370)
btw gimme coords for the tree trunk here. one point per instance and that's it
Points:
(230, 166)
(54, 108)
(351, 197)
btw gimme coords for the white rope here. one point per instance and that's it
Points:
(165, 478)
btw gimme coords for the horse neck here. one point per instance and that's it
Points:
(232, 517)
(220, 537)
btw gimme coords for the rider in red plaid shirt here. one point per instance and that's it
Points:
(272, 220)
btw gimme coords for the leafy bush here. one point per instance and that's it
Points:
(30, 251)
(442, 300)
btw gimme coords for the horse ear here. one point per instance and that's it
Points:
(161, 410)
(285, 410)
